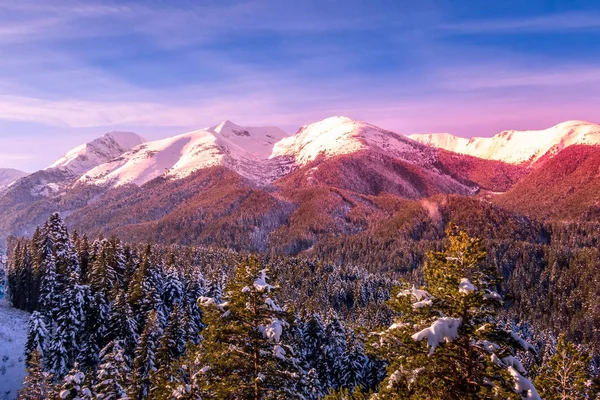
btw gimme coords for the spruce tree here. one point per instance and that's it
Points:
(36, 337)
(74, 386)
(112, 374)
(37, 384)
(172, 343)
(565, 375)
(244, 352)
(144, 363)
(446, 342)
(122, 325)
(315, 341)
(66, 340)
(336, 351)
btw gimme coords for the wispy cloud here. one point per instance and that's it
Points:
(568, 21)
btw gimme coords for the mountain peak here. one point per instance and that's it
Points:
(100, 150)
(127, 140)
(9, 175)
(225, 128)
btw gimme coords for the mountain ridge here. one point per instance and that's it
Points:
(270, 187)
(9, 175)
(517, 147)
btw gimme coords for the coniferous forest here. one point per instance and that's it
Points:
(114, 320)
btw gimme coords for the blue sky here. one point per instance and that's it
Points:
(71, 70)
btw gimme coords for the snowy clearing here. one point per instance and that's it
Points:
(13, 334)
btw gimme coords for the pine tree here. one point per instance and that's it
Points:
(356, 364)
(49, 291)
(315, 341)
(122, 325)
(37, 384)
(144, 363)
(466, 355)
(145, 289)
(335, 349)
(173, 286)
(64, 252)
(94, 329)
(244, 354)
(172, 343)
(70, 321)
(112, 373)
(565, 375)
(36, 336)
(74, 386)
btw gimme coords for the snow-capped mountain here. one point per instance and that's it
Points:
(518, 147)
(59, 176)
(245, 150)
(342, 135)
(361, 157)
(103, 149)
(9, 176)
(265, 154)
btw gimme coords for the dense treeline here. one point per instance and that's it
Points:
(551, 271)
(118, 321)
(102, 300)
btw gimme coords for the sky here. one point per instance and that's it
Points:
(71, 70)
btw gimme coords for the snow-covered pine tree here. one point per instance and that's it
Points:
(465, 354)
(94, 330)
(37, 384)
(356, 363)
(37, 335)
(74, 386)
(144, 363)
(49, 291)
(113, 372)
(145, 289)
(82, 246)
(70, 320)
(122, 325)
(335, 350)
(67, 262)
(172, 343)
(172, 346)
(102, 276)
(244, 353)
(565, 375)
(315, 341)
(195, 287)
(173, 287)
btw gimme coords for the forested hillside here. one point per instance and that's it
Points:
(112, 319)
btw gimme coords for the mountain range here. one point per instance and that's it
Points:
(9, 176)
(260, 188)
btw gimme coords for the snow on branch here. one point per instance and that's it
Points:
(416, 293)
(261, 284)
(465, 286)
(443, 330)
(523, 386)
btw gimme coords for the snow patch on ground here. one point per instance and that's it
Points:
(13, 335)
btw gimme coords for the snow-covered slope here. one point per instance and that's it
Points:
(59, 176)
(357, 156)
(13, 335)
(260, 154)
(340, 135)
(9, 175)
(103, 149)
(242, 149)
(518, 147)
